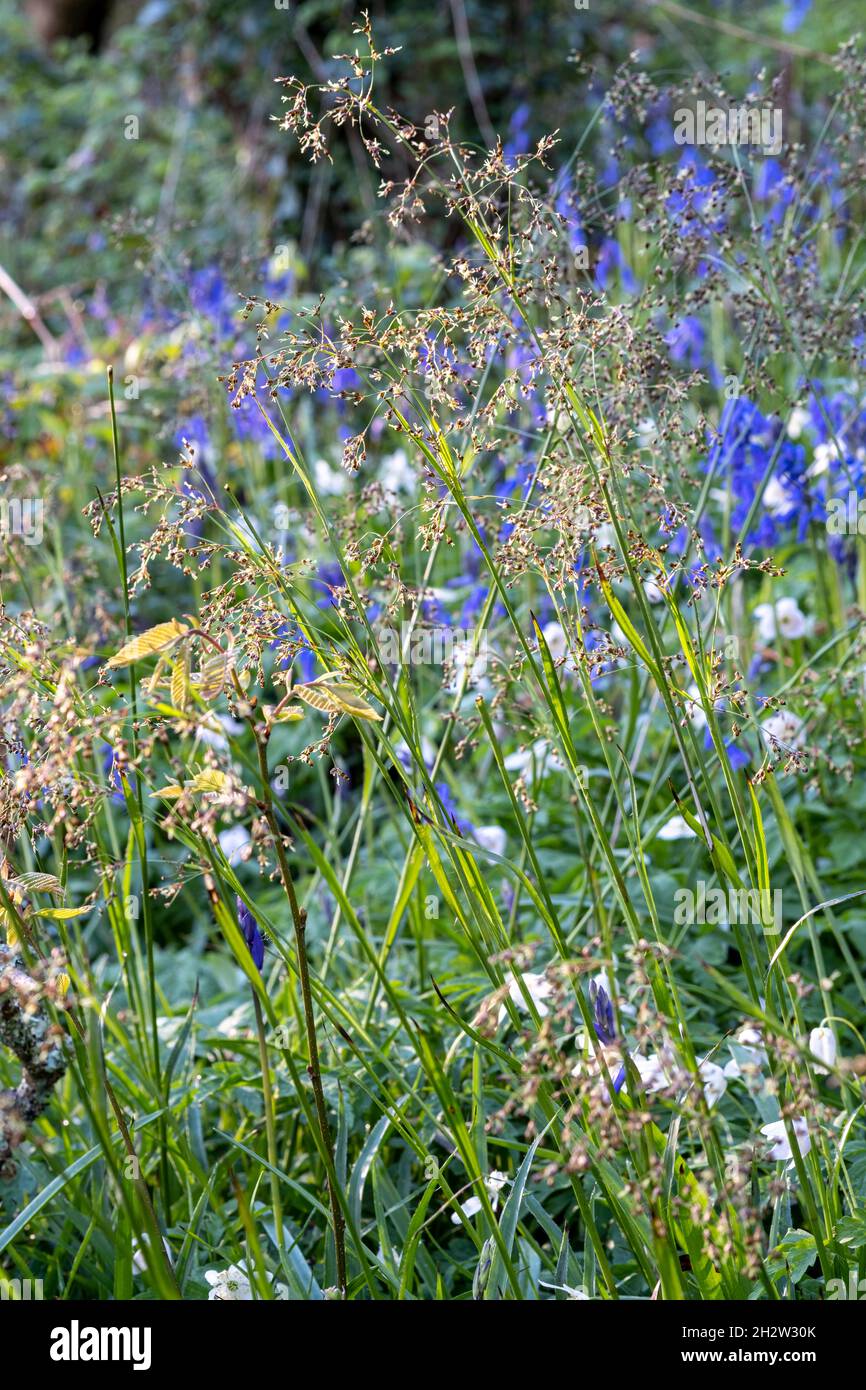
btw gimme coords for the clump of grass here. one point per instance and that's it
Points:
(393, 976)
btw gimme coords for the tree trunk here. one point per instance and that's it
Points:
(68, 19)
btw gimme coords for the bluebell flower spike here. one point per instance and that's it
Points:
(604, 1024)
(252, 934)
(603, 1020)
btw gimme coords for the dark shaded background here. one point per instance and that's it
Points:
(210, 180)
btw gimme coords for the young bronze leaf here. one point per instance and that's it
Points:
(155, 639)
(288, 714)
(210, 780)
(37, 883)
(180, 682)
(211, 679)
(335, 697)
(317, 696)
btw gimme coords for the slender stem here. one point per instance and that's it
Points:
(270, 1126)
(141, 839)
(299, 922)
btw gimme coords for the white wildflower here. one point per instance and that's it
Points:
(751, 1047)
(783, 617)
(677, 828)
(491, 837)
(396, 473)
(652, 1071)
(474, 664)
(557, 642)
(695, 709)
(714, 1081)
(494, 1182)
(822, 1044)
(538, 988)
(777, 498)
(798, 421)
(233, 843)
(329, 481)
(777, 1135)
(232, 1285)
(216, 729)
(823, 457)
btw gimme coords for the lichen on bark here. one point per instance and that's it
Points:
(28, 1032)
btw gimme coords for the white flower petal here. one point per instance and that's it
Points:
(492, 837)
(715, 1082)
(822, 1044)
(677, 828)
(777, 1134)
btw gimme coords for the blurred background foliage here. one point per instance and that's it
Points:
(147, 187)
(211, 179)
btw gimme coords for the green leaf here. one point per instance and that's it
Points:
(793, 1255)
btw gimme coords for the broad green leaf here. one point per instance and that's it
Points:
(793, 1255)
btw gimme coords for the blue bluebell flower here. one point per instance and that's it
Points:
(795, 13)
(566, 205)
(112, 772)
(748, 447)
(773, 193)
(610, 260)
(473, 605)
(518, 132)
(329, 577)
(686, 341)
(660, 128)
(304, 654)
(250, 425)
(695, 205)
(602, 1020)
(604, 1024)
(738, 756)
(251, 933)
(449, 806)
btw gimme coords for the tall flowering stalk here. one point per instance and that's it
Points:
(260, 733)
(255, 943)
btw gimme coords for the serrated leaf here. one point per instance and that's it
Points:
(851, 1231)
(209, 682)
(335, 697)
(180, 690)
(793, 1255)
(289, 714)
(155, 639)
(156, 681)
(9, 928)
(210, 780)
(37, 883)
